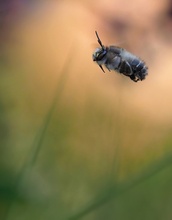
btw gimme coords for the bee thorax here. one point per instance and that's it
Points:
(114, 63)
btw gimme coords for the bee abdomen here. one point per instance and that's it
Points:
(139, 69)
(125, 68)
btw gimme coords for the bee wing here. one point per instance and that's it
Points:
(125, 68)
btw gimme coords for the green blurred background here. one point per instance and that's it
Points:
(76, 143)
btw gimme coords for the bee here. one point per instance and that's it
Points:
(120, 60)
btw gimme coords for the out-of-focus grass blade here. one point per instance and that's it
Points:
(112, 193)
(38, 141)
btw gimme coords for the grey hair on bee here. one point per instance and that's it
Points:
(120, 60)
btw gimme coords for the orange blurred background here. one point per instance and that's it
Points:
(47, 45)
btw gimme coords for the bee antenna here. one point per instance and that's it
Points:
(99, 41)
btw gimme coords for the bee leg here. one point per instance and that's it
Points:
(133, 77)
(101, 68)
(107, 68)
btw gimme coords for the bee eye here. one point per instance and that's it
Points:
(97, 55)
(101, 55)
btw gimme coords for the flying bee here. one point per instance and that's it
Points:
(120, 60)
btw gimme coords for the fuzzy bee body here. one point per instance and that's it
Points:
(120, 60)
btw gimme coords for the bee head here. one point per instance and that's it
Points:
(99, 54)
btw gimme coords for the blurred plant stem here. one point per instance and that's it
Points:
(114, 192)
(38, 141)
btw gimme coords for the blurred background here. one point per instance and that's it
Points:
(76, 143)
